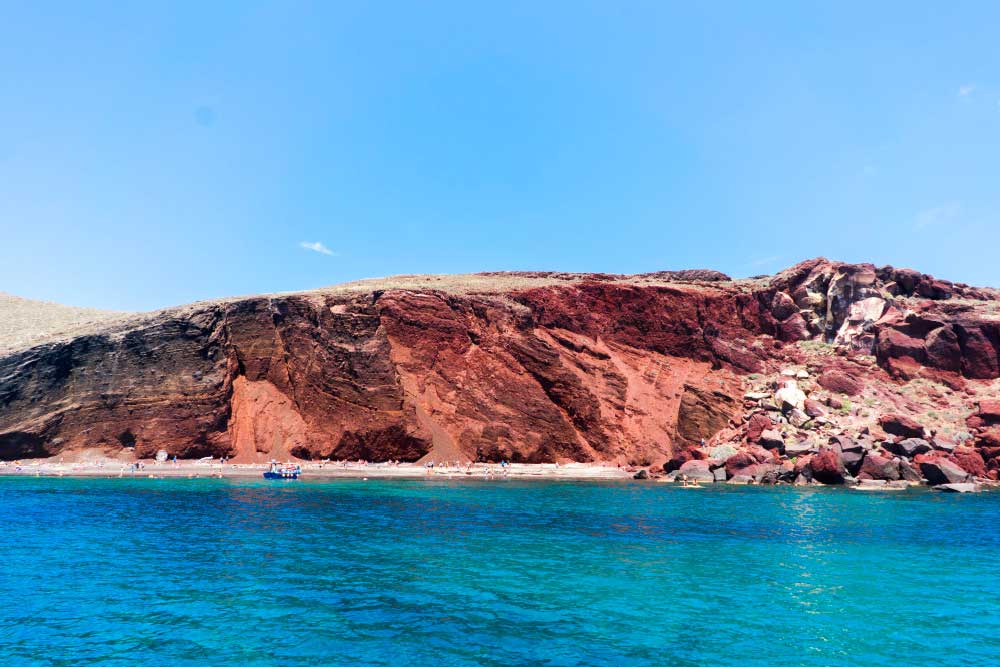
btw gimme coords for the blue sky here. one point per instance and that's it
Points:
(157, 153)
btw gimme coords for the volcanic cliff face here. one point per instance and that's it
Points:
(526, 367)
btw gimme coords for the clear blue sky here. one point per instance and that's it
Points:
(158, 153)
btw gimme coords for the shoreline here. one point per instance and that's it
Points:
(329, 471)
(323, 471)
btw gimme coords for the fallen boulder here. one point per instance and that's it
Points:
(852, 461)
(943, 443)
(789, 396)
(989, 437)
(814, 408)
(840, 383)
(969, 460)
(721, 452)
(876, 466)
(909, 447)
(772, 439)
(800, 447)
(743, 461)
(942, 471)
(679, 459)
(698, 471)
(844, 443)
(901, 426)
(758, 424)
(989, 411)
(798, 418)
(827, 466)
(794, 329)
(908, 472)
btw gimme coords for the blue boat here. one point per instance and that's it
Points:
(283, 471)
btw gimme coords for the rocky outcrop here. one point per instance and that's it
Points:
(916, 325)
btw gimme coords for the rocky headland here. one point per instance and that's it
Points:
(824, 373)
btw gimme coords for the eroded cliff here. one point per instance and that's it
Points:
(526, 367)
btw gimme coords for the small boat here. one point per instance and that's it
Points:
(283, 471)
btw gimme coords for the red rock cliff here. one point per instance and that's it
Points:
(527, 367)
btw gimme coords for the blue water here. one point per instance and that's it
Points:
(212, 572)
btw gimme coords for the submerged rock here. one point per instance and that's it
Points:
(962, 487)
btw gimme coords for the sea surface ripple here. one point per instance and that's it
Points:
(352, 572)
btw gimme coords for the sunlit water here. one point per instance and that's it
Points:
(211, 572)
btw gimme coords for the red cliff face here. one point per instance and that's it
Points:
(539, 367)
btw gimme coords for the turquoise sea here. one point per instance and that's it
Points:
(214, 572)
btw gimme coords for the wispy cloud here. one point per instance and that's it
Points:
(966, 90)
(939, 215)
(316, 246)
(764, 260)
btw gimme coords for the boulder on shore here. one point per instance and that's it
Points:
(942, 471)
(908, 472)
(876, 467)
(969, 460)
(827, 466)
(698, 471)
(744, 461)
